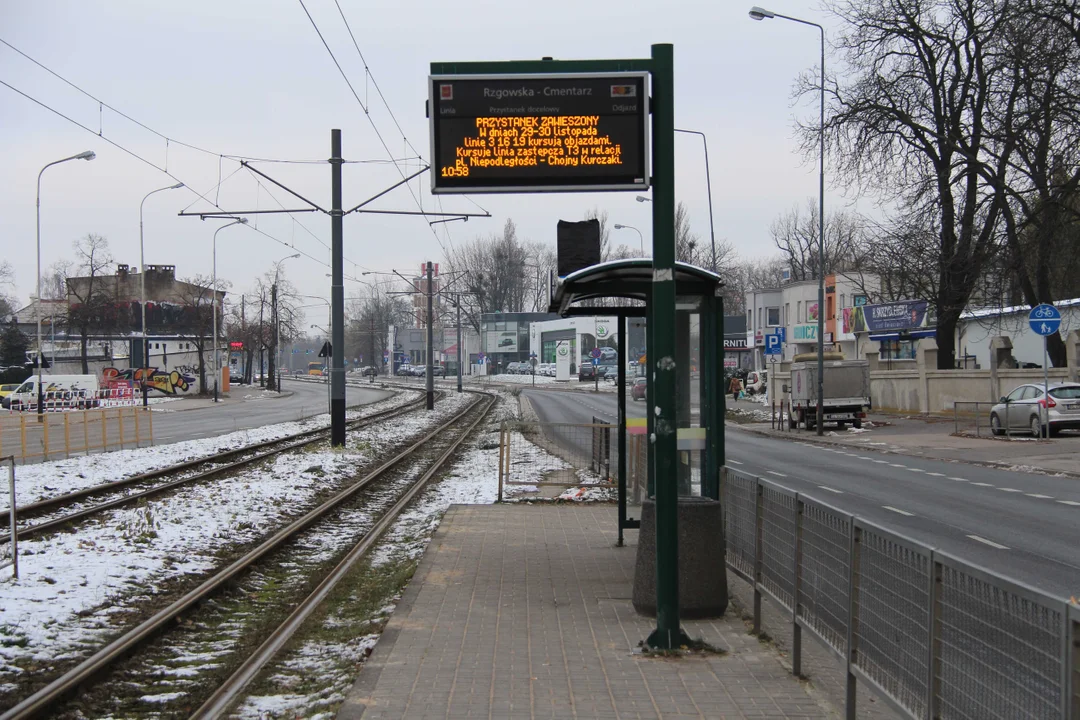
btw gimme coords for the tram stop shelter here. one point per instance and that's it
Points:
(699, 412)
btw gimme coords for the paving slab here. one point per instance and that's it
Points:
(524, 611)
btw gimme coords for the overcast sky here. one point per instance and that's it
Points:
(251, 77)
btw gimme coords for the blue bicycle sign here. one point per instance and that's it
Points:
(1044, 319)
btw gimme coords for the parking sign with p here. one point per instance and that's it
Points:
(773, 344)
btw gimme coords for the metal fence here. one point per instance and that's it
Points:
(534, 454)
(11, 557)
(973, 418)
(932, 635)
(52, 435)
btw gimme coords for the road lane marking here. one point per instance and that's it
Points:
(936, 474)
(832, 490)
(1009, 490)
(991, 543)
(898, 510)
(863, 457)
(734, 462)
(916, 470)
(773, 472)
(983, 484)
(882, 462)
(958, 479)
(1068, 502)
(1040, 497)
(896, 465)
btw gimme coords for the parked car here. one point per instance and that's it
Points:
(608, 353)
(1026, 407)
(637, 390)
(756, 382)
(6, 390)
(586, 371)
(404, 370)
(419, 371)
(62, 392)
(369, 370)
(438, 371)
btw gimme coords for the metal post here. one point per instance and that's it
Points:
(668, 633)
(821, 255)
(796, 594)
(276, 375)
(854, 555)
(620, 346)
(933, 645)
(337, 297)
(430, 384)
(1046, 393)
(13, 518)
(458, 306)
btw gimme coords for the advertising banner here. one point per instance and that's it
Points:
(903, 315)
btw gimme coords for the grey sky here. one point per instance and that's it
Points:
(250, 77)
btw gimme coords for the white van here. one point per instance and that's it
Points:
(61, 392)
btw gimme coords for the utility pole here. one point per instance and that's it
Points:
(430, 342)
(243, 336)
(374, 367)
(262, 342)
(337, 296)
(275, 371)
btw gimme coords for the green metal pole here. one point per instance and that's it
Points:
(719, 401)
(668, 634)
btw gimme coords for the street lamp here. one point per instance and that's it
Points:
(277, 322)
(757, 13)
(642, 198)
(640, 238)
(213, 304)
(708, 189)
(142, 288)
(88, 155)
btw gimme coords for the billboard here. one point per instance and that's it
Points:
(502, 341)
(531, 133)
(903, 315)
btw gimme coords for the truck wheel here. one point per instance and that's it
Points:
(857, 424)
(840, 425)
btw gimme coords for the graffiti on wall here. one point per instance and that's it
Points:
(169, 382)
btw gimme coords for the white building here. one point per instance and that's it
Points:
(977, 327)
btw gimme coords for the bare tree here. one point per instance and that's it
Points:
(368, 322)
(909, 119)
(91, 302)
(493, 270)
(197, 297)
(7, 283)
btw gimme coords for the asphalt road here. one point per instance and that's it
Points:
(307, 399)
(1025, 526)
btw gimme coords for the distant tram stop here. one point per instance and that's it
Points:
(608, 125)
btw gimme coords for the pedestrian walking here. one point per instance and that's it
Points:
(735, 388)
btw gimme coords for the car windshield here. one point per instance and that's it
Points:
(1071, 392)
(639, 381)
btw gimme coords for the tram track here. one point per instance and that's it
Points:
(432, 451)
(190, 471)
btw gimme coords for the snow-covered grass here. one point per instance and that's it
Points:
(73, 585)
(48, 479)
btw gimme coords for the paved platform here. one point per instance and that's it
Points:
(524, 611)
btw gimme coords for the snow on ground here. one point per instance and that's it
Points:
(72, 584)
(572, 384)
(48, 479)
(474, 480)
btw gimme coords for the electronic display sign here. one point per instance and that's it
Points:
(535, 133)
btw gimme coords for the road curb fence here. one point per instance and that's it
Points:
(50, 435)
(541, 454)
(932, 635)
(11, 561)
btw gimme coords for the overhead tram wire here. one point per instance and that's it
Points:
(173, 141)
(367, 114)
(132, 153)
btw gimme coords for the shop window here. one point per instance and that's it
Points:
(772, 316)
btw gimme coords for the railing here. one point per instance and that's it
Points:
(559, 454)
(29, 436)
(968, 416)
(932, 635)
(11, 561)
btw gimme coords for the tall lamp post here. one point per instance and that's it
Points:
(213, 305)
(708, 189)
(641, 239)
(277, 322)
(88, 155)
(757, 13)
(142, 289)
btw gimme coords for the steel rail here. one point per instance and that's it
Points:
(60, 688)
(312, 437)
(218, 704)
(39, 506)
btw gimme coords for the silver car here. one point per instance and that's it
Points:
(1026, 407)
